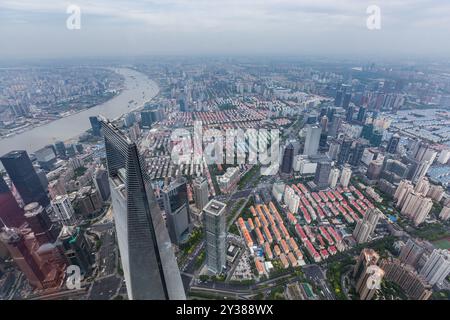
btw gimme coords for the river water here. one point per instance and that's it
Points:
(137, 88)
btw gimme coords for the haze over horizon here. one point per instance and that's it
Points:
(31, 29)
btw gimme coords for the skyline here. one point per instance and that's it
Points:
(179, 27)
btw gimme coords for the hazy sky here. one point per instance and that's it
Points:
(37, 28)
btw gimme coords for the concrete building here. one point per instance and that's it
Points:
(176, 206)
(437, 267)
(63, 208)
(411, 252)
(333, 177)
(365, 271)
(405, 276)
(365, 227)
(215, 231)
(322, 174)
(345, 176)
(312, 139)
(444, 214)
(201, 193)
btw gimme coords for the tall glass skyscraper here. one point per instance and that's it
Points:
(21, 171)
(148, 261)
(10, 212)
(176, 206)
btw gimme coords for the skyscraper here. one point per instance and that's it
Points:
(148, 261)
(312, 140)
(14, 241)
(334, 177)
(361, 114)
(345, 176)
(64, 210)
(60, 149)
(437, 267)
(349, 114)
(322, 174)
(411, 252)
(75, 247)
(346, 100)
(176, 206)
(344, 152)
(21, 171)
(215, 230)
(102, 184)
(393, 144)
(365, 227)
(367, 274)
(10, 212)
(200, 186)
(288, 159)
(44, 230)
(95, 125)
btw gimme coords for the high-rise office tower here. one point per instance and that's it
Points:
(338, 98)
(334, 177)
(376, 138)
(349, 114)
(367, 131)
(411, 252)
(366, 273)
(75, 247)
(148, 261)
(95, 125)
(361, 117)
(44, 230)
(10, 212)
(393, 143)
(215, 230)
(176, 206)
(102, 184)
(16, 244)
(374, 169)
(365, 227)
(46, 157)
(60, 149)
(312, 140)
(344, 152)
(63, 208)
(322, 174)
(288, 159)
(357, 152)
(21, 171)
(345, 176)
(201, 193)
(346, 100)
(437, 267)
